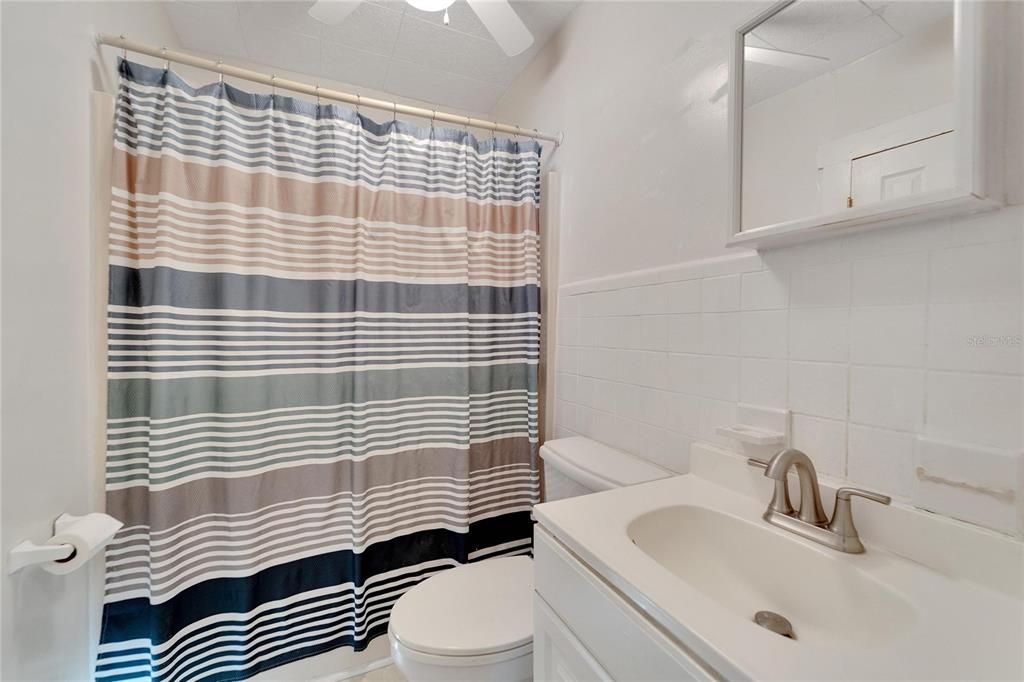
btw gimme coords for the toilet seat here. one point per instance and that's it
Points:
(476, 614)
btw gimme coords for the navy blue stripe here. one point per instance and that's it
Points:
(138, 619)
(183, 289)
(146, 75)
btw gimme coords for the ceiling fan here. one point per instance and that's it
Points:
(497, 16)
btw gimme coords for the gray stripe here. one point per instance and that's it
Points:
(163, 509)
(169, 287)
(180, 397)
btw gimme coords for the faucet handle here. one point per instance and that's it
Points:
(846, 493)
(842, 517)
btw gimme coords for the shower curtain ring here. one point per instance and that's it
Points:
(394, 112)
(167, 62)
(273, 85)
(220, 70)
(318, 96)
(359, 102)
(124, 48)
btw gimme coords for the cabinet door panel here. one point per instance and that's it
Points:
(557, 655)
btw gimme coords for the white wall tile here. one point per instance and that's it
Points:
(824, 441)
(567, 358)
(765, 290)
(566, 387)
(888, 335)
(685, 414)
(868, 345)
(984, 273)
(968, 482)
(684, 372)
(715, 413)
(568, 332)
(720, 333)
(982, 337)
(649, 300)
(763, 382)
(603, 398)
(684, 333)
(683, 297)
(887, 396)
(891, 280)
(720, 294)
(818, 388)
(974, 408)
(881, 460)
(764, 334)
(665, 448)
(720, 377)
(820, 286)
(819, 334)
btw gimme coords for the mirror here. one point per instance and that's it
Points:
(845, 105)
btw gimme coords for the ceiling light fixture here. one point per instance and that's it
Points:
(433, 6)
(497, 16)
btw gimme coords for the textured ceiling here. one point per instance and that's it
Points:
(841, 30)
(383, 45)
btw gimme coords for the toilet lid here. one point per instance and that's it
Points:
(476, 609)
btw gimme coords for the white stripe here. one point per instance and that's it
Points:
(165, 201)
(311, 370)
(472, 318)
(141, 476)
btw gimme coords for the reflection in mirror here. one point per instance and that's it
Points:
(846, 104)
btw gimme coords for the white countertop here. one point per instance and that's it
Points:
(964, 627)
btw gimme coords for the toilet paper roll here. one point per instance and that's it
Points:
(87, 534)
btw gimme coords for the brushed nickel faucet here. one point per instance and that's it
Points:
(809, 520)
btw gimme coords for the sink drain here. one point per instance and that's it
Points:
(780, 625)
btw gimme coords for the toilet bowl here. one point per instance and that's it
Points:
(474, 623)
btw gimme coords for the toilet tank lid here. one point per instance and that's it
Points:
(597, 466)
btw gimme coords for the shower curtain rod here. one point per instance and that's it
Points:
(316, 91)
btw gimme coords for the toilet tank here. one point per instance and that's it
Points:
(578, 466)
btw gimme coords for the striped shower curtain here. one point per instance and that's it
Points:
(323, 345)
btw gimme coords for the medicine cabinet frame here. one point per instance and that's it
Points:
(978, 106)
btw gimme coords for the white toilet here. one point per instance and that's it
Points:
(474, 623)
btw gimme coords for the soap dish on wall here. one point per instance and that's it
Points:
(752, 434)
(758, 426)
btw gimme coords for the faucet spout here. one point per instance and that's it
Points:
(778, 468)
(810, 520)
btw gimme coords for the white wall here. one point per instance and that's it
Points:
(52, 419)
(53, 297)
(868, 339)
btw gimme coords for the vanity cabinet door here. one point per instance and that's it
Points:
(557, 655)
(622, 642)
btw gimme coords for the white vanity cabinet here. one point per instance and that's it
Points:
(585, 630)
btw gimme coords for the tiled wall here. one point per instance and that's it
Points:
(897, 351)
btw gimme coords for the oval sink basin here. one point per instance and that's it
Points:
(746, 568)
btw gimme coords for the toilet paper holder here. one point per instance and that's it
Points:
(28, 553)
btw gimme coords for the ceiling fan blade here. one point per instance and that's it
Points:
(784, 58)
(501, 20)
(332, 12)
